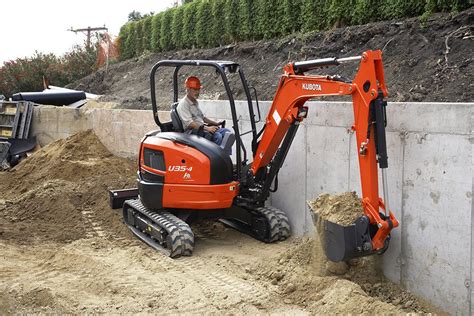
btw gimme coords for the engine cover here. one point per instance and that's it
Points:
(178, 170)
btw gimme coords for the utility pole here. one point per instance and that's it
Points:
(88, 31)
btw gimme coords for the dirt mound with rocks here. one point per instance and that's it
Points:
(358, 286)
(428, 60)
(61, 189)
(306, 278)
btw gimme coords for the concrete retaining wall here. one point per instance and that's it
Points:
(430, 172)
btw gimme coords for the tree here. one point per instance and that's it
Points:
(124, 34)
(217, 12)
(177, 28)
(134, 16)
(139, 34)
(203, 24)
(267, 18)
(130, 41)
(166, 42)
(26, 74)
(147, 33)
(246, 27)
(137, 16)
(155, 32)
(366, 11)
(290, 16)
(314, 15)
(231, 19)
(339, 13)
(189, 22)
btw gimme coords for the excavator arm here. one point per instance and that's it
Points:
(368, 91)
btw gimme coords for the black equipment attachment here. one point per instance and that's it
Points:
(341, 243)
(51, 98)
(118, 197)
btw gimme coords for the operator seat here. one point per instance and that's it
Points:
(227, 141)
(175, 119)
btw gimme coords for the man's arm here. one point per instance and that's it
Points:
(207, 128)
(186, 117)
(211, 122)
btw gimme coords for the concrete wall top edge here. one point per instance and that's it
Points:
(417, 117)
(348, 102)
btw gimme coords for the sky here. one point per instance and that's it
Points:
(27, 26)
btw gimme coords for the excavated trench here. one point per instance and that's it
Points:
(64, 250)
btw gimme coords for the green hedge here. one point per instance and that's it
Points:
(210, 23)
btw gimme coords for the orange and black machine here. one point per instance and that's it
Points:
(182, 178)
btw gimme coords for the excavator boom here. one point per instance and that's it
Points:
(368, 91)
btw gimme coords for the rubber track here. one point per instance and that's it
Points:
(285, 230)
(278, 223)
(187, 235)
(180, 239)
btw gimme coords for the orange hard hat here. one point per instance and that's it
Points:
(193, 83)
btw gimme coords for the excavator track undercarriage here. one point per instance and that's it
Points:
(173, 237)
(267, 224)
(163, 231)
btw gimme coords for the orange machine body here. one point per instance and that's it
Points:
(186, 174)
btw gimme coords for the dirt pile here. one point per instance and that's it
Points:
(61, 189)
(423, 61)
(342, 209)
(306, 278)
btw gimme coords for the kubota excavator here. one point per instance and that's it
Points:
(182, 177)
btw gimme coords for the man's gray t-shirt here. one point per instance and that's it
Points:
(189, 112)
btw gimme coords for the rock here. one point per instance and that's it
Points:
(290, 288)
(337, 268)
(279, 275)
(408, 304)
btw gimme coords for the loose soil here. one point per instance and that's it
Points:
(423, 61)
(64, 250)
(342, 209)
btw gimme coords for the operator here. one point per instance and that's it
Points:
(194, 121)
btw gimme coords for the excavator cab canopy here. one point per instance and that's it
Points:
(222, 68)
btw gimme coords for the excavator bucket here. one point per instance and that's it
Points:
(341, 243)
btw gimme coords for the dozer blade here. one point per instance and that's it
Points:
(162, 231)
(341, 243)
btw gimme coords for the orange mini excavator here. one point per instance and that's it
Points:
(183, 178)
